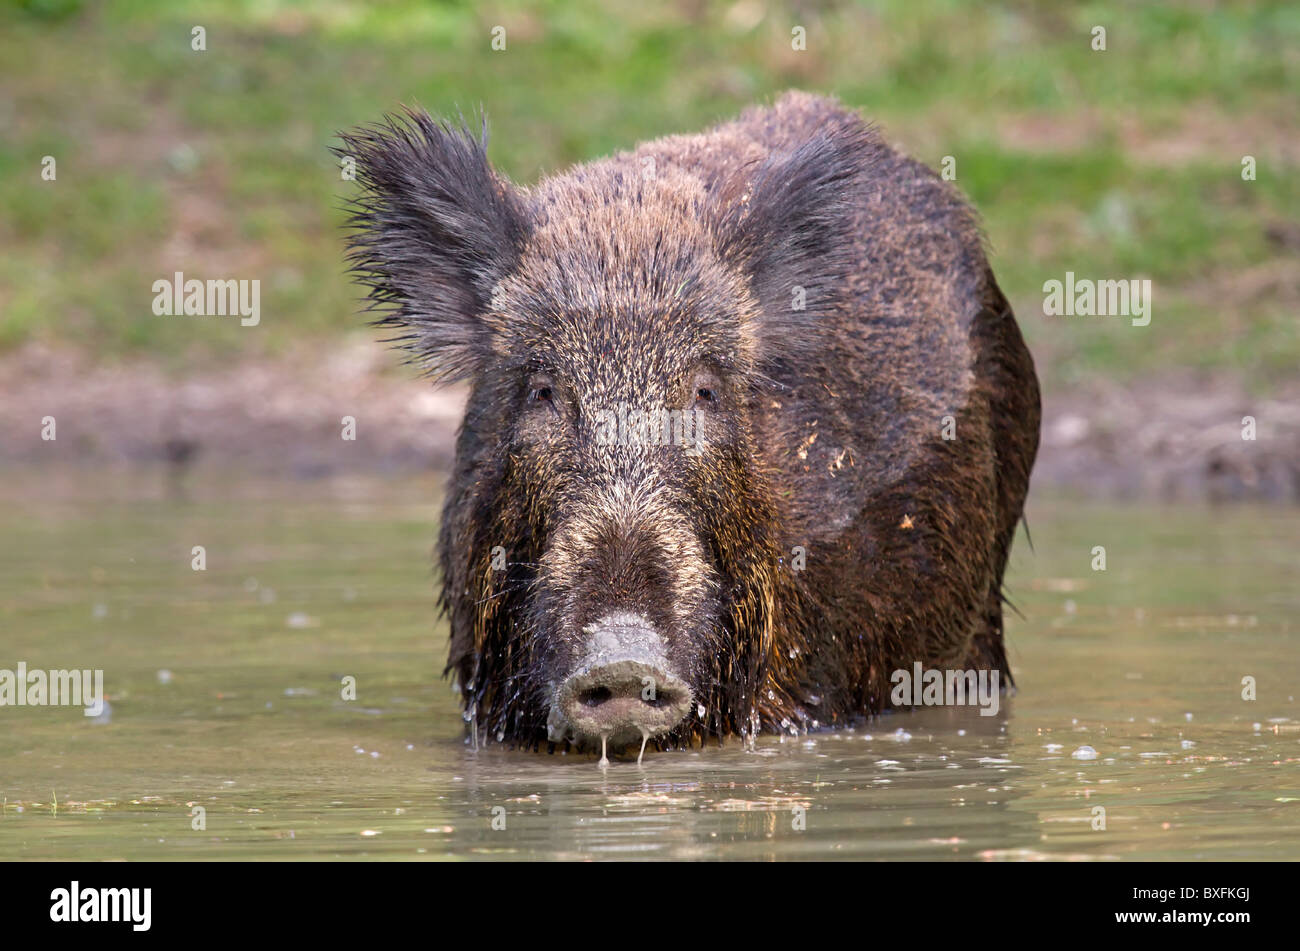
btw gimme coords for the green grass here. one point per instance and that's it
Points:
(1123, 163)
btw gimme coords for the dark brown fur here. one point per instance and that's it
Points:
(633, 279)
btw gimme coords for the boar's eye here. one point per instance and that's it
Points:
(542, 393)
(707, 388)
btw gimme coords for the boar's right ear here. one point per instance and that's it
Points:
(787, 223)
(432, 232)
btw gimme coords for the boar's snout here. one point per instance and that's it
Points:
(624, 689)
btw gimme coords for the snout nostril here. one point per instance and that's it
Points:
(622, 699)
(595, 696)
(599, 694)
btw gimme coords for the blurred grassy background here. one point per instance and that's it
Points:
(1123, 163)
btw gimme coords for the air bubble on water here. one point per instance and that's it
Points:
(1054, 747)
(1257, 727)
(1084, 752)
(1188, 716)
(250, 584)
(99, 611)
(961, 732)
(374, 754)
(266, 595)
(300, 619)
(1188, 744)
(900, 735)
(1070, 607)
(357, 749)
(164, 676)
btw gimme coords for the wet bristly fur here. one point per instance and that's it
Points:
(653, 276)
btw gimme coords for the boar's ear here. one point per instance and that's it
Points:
(787, 223)
(432, 232)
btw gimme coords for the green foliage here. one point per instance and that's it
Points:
(1122, 163)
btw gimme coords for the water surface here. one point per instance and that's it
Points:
(224, 691)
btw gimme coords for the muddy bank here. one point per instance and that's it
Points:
(1176, 437)
(281, 417)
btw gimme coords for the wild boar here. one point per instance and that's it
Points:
(864, 417)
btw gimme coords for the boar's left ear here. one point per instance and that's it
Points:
(788, 225)
(432, 232)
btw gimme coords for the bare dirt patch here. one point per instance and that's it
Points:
(1198, 134)
(1176, 437)
(266, 417)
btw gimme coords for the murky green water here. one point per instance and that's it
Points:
(224, 692)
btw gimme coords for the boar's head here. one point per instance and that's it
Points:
(610, 573)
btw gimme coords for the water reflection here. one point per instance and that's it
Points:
(225, 688)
